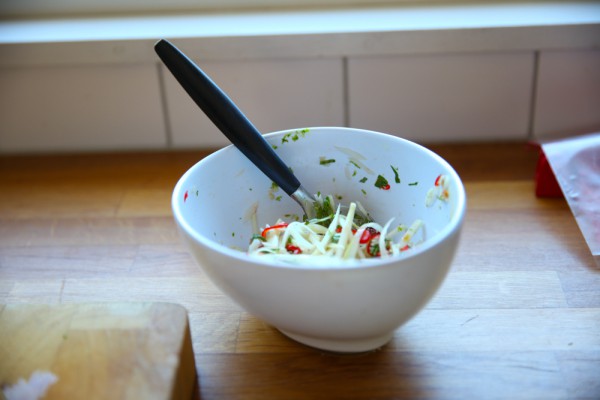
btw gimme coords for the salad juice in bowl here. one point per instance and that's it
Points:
(333, 285)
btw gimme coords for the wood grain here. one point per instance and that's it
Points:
(100, 351)
(518, 316)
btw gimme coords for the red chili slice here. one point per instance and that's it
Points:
(339, 230)
(405, 248)
(293, 249)
(367, 233)
(278, 226)
(373, 247)
(437, 180)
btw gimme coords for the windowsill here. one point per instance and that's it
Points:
(317, 33)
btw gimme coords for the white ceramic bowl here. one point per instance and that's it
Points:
(345, 308)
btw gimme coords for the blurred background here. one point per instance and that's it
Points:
(82, 76)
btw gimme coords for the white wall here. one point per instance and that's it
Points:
(425, 85)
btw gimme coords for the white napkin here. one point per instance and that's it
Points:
(576, 165)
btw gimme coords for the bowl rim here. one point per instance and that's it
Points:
(453, 225)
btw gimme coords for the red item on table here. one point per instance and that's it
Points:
(546, 184)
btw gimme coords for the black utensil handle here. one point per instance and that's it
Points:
(226, 116)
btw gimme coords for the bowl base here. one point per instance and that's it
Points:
(343, 345)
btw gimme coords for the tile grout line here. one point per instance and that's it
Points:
(165, 109)
(345, 92)
(533, 95)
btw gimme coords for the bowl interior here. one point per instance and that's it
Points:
(216, 199)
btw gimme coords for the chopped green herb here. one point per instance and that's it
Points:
(355, 164)
(363, 180)
(413, 184)
(274, 188)
(361, 220)
(274, 147)
(374, 249)
(259, 237)
(326, 161)
(278, 198)
(354, 173)
(232, 234)
(324, 209)
(295, 217)
(381, 182)
(294, 135)
(337, 196)
(364, 192)
(396, 177)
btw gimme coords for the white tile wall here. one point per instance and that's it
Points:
(46, 109)
(273, 94)
(445, 97)
(568, 93)
(436, 97)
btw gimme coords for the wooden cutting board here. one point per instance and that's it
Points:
(100, 351)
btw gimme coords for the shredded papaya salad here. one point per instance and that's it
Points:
(335, 234)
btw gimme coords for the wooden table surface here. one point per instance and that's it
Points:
(518, 316)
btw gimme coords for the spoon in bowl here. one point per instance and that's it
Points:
(233, 124)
